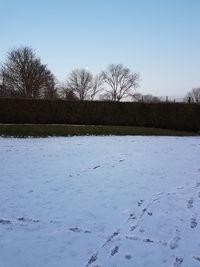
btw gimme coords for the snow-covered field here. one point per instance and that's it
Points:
(100, 201)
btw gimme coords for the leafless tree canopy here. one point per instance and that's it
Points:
(24, 75)
(121, 81)
(97, 86)
(193, 95)
(83, 85)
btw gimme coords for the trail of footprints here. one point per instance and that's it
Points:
(190, 204)
(114, 250)
(176, 238)
(171, 244)
(20, 219)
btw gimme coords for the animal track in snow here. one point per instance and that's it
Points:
(132, 237)
(133, 227)
(78, 230)
(197, 184)
(98, 166)
(141, 230)
(23, 219)
(111, 237)
(178, 261)
(87, 231)
(146, 240)
(4, 221)
(128, 256)
(140, 202)
(158, 194)
(174, 242)
(142, 214)
(193, 222)
(196, 258)
(75, 229)
(132, 216)
(180, 187)
(114, 250)
(190, 203)
(92, 259)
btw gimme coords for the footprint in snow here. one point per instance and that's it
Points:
(87, 231)
(23, 219)
(180, 187)
(92, 259)
(133, 227)
(128, 256)
(132, 216)
(196, 258)
(75, 229)
(114, 250)
(78, 230)
(4, 221)
(178, 261)
(148, 240)
(141, 230)
(95, 167)
(111, 237)
(197, 184)
(132, 237)
(158, 194)
(199, 194)
(174, 242)
(190, 203)
(193, 222)
(140, 202)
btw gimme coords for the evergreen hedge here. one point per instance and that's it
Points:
(174, 116)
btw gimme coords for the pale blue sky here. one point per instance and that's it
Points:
(158, 38)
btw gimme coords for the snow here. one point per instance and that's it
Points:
(100, 201)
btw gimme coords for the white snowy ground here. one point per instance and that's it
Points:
(100, 201)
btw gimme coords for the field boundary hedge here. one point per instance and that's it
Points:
(173, 116)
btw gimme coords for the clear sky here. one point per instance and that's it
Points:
(158, 38)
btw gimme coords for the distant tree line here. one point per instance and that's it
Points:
(24, 75)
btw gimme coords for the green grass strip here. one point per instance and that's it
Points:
(68, 130)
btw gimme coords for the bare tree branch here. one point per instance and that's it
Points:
(82, 83)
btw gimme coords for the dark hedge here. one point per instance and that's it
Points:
(175, 116)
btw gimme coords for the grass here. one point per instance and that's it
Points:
(69, 130)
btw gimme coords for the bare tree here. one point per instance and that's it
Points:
(121, 81)
(24, 75)
(82, 83)
(193, 95)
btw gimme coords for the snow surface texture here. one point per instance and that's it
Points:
(100, 202)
